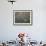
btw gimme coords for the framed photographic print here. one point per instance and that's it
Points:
(22, 17)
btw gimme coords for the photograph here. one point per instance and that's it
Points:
(22, 17)
(22, 22)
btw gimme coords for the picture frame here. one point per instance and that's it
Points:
(22, 17)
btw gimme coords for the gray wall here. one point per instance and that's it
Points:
(38, 30)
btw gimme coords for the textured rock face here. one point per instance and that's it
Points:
(44, 45)
(22, 17)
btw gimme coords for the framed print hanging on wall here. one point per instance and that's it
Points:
(22, 17)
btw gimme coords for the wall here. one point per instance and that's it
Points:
(37, 31)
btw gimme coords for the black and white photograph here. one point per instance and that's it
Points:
(22, 16)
